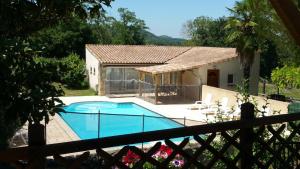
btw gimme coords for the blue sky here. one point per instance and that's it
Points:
(166, 17)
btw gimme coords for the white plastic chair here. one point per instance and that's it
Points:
(267, 111)
(211, 111)
(224, 105)
(206, 103)
(237, 111)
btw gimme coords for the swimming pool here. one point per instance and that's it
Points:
(115, 119)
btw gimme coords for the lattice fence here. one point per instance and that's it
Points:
(273, 147)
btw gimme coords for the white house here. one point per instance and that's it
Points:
(164, 70)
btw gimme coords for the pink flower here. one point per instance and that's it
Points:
(163, 152)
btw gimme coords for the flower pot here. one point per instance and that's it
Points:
(36, 135)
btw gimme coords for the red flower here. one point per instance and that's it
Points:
(165, 149)
(130, 158)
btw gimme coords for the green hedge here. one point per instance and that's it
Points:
(70, 71)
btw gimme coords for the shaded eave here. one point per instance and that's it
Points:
(176, 67)
(129, 64)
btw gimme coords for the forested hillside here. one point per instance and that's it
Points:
(153, 39)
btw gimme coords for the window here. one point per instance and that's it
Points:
(148, 79)
(162, 79)
(94, 71)
(91, 70)
(173, 78)
(230, 79)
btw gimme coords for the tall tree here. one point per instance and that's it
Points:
(243, 35)
(129, 29)
(205, 31)
(64, 38)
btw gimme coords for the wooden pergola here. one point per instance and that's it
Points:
(157, 82)
(289, 15)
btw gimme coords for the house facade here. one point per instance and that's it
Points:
(162, 73)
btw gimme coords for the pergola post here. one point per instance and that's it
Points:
(179, 82)
(102, 77)
(141, 80)
(156, 81)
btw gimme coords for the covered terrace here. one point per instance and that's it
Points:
(180, 79)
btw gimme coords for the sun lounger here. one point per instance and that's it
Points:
(222, 106)
(202, 104)
(206, 103)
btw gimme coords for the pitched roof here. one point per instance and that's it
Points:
(133, 54)
(193, 58)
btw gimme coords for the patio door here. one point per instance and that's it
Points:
(213, 77)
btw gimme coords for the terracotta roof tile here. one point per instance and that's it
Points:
(193, 58)
(133, 54)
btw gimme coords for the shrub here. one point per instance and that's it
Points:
(73, 72)
(286, 76)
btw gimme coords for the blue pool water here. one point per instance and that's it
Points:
(115, 119)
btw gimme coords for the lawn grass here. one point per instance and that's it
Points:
(272, 89)
(76, 92)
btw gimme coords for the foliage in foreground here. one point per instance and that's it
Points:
(27, 92)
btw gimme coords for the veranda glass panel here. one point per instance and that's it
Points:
(121, 80)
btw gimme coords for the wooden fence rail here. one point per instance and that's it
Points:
(256, 141)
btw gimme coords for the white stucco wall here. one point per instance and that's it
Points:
(199, 76)
(92, 62)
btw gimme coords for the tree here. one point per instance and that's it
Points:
(74, 72)
(269, 59)
(243, 35)
(71, 35)
(27, 92)
(205, 31)
(276, 46)
(22, 17)
(63, 39)
(129, 30)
